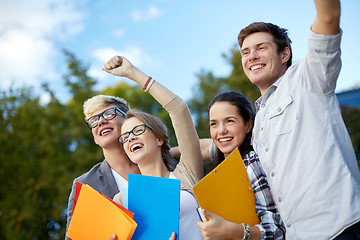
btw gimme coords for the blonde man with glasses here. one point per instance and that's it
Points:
(104, 115)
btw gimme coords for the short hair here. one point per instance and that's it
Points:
(160, 131)
(100, 101)
(280, 35)
(245, 110)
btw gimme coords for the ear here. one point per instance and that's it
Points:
(249, 125)
(160, 142)
(285, 55)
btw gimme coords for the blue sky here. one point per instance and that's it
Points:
(171, 40)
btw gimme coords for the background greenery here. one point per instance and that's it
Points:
(44, 147)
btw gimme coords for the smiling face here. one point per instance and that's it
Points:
(227, 128)
(261, 62)
(142, 146)
(107, 132)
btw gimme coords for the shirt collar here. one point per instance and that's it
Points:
(267, 94)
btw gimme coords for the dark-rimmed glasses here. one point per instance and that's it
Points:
(136, 131)
(108, 114)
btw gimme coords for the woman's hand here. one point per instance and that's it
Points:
(173, 236)
(119, 66)
(113, 237)
(216, 228)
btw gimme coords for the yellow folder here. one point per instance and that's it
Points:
(97, 217)
(226, 191)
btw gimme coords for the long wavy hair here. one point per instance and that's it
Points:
(245, 110)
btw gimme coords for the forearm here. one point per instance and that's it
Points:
(327, 21)
(186, 135)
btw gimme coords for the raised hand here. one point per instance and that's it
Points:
(119, 66)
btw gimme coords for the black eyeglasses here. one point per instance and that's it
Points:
(108, 114)
(136, 131)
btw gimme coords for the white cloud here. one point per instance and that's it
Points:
(134, 54)
(28, 34)
(140, 16)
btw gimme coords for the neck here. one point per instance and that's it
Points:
(156, 168)
(119, 162)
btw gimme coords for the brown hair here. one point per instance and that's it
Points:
(245, 110)
(280, 36)
(160, 131)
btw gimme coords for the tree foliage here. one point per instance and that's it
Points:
(43, 147)
(209, 86)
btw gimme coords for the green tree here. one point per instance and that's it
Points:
(140, 100)
(209, 86)
(351, 117)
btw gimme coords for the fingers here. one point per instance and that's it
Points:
(173, 236)
(113, 63)
(113, 237)
(207, 214)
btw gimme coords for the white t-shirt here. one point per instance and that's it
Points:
(120, 181)
(189, 217)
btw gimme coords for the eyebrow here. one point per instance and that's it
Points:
(227, 118)
(257, 45)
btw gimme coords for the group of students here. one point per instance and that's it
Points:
(296, 149)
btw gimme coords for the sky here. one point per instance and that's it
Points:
(170, 40)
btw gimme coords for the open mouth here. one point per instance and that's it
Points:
(224, 140)
(136, 147)
(105, 131)
(257, 67)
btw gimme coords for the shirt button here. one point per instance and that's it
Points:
(288, 225)
(262, 128)
(273, 174)
(266, 149)
(279, 199)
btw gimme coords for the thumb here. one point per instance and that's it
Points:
(113, 237)
(207, 214)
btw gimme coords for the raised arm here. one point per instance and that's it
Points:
(327, 20)
(121, 67)
(179, 113)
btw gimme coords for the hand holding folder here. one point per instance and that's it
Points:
(97, 217)
(227, 192)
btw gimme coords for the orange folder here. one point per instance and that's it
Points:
(227, 192)
(97, 217)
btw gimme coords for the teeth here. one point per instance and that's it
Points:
(135, 147)
(105, 131)
(224, 139)
(256, 67)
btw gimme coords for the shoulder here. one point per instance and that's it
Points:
(95, 171)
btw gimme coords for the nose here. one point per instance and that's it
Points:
(253, 55)
(132, 137)
(222, 129)
(102, 120)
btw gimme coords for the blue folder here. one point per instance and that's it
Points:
(155, 201)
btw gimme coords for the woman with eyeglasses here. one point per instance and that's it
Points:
(145, 141)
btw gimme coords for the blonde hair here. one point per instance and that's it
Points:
(100, 101)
